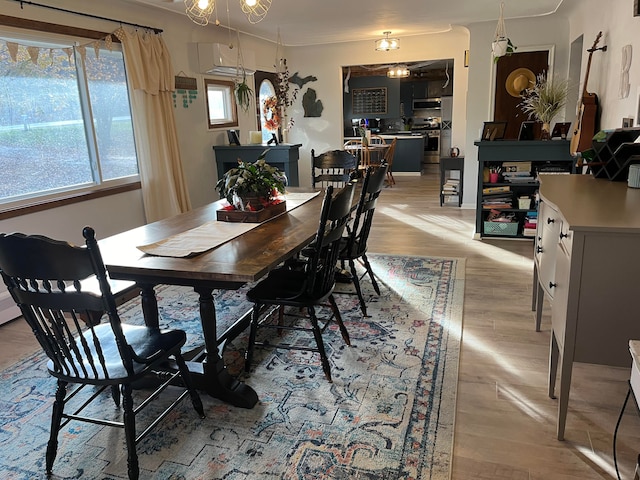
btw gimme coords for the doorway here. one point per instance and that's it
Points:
(506, 100)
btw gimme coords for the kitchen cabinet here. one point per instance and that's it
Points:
(533, 157)
(595, 277)
(408, 153)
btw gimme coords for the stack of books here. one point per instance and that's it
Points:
(450, 190)
(497, 197)
(530, 224)
(517, 172)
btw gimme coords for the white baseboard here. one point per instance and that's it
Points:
(8, 308)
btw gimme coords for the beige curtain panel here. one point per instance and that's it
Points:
(150, 74)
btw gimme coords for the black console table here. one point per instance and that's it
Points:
(283, 156)
(534, 156)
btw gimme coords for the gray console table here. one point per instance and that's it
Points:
(283, 156)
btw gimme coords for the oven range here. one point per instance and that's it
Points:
(430, 127)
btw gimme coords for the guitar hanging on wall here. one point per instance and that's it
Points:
(584, 128)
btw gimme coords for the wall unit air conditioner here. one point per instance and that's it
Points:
(219, 59)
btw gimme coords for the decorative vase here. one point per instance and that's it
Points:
(545, 132)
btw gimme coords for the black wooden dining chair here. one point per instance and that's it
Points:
(354, 244)
(305, 283)
(46, 279)
(335, 168)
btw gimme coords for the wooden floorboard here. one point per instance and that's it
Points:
(505, 422)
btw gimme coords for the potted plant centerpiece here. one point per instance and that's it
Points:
(253, 186)
(545, 100)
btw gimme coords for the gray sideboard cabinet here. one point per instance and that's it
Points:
(594, 276)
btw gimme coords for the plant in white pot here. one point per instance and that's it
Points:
(502, 45)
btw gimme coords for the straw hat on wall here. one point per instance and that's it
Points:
(519, 80)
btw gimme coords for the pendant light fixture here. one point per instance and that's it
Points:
(398, 71)
(385, 44)
(199, 11)
(255, 10)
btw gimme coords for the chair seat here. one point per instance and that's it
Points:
(286, 286)
(354, 252)
(144, 341)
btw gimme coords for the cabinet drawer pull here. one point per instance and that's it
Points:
(550, 220)
(563, 235)
(539, 249)
(552, 285)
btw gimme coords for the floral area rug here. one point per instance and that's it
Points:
(389, 413)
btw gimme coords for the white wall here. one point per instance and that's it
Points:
(619, 28)
(326, 62)
(525, 34)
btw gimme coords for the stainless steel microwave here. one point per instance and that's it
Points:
(426, 103)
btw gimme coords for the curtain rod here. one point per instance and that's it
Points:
(22, 2)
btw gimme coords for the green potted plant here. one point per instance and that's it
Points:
(252, 186)
(243, 92)
(545, 100)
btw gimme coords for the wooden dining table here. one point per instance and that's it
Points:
(229, 266)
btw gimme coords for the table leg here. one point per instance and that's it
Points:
(566, 369)
(534, 294)
(539, 306)
(554, 353)
(214, 378)
(149, 305)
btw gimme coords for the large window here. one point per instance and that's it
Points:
(65, 119)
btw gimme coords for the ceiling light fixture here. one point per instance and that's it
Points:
(385, 44)
(255, 10)
(398, 71)
(199, 11)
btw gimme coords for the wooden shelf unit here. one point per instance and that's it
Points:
(547, 155)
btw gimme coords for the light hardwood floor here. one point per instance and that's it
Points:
(505, 422)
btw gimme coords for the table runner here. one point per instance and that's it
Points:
(211, 234)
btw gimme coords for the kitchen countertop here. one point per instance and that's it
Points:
(399, 136)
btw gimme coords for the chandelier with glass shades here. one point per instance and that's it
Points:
(385, 44)
(199, 11)
(398, 71)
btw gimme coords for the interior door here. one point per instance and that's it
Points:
(506, 106)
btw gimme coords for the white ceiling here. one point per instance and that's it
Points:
(313, 22)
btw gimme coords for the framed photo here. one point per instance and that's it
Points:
(636, 8)
(493, 130)
(561, 130)
(627, 122)
(527, 131)
(234, 138)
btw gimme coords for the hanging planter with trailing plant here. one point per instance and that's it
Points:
(243, 91)
(501, 45)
